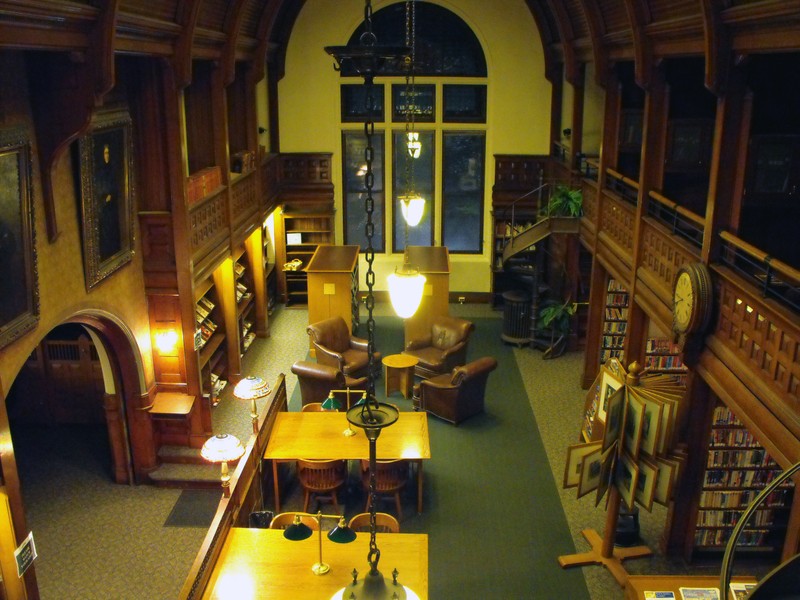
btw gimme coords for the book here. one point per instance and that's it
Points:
(659, 595)
(740, 591)
(692, 593)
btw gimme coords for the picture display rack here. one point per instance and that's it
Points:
(737, 469)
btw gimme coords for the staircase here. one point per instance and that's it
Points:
(537, 232)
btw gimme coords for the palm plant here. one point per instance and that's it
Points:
(565, 202)
(556, 317)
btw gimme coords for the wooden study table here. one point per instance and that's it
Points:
(319, 435)
(637, 585)
(260, 564)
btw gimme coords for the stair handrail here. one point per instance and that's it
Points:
(512, 207)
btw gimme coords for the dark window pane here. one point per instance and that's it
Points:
(462, 197)
(421, 234)
(423, 103)
(354, 166)
(354, 103)
(464, 104)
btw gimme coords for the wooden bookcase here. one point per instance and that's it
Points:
(736, 470)
(209, 340)
(244, 285)
(615, 322)
(333, 285)
(664, 356)
(303, 229)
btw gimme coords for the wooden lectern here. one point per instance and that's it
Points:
(434, 263)
(333, 284)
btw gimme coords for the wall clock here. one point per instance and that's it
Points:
(691, 299)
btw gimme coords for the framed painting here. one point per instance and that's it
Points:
(590, 471)
(626, 478)
(106, 175)
(634, 420)
(19, 291)
(610, 382)
(575, 455)
(646, 483)
(615, 420)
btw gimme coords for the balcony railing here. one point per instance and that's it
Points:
(775, 279)
(624, 187)
(590, 167)
(677, 219)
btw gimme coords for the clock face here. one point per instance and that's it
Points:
(683, 302)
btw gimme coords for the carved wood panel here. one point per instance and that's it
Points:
(616, 221)
(244, 199)
(207, 220)
(661, 255)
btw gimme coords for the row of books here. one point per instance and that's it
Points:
(615, 327)
(741, 438)
(242, 293)
(757, 457)
(238, 268)
(720, 537)
(729, 518)
(740, 499)
(617, 300)
(613, 341)
(217, 384)
(663, 361)
(202, 183)
(615, 314)
(203, 308)
(606, 353)
(661, 346)
(247, 340)
(724, 416)
(738, 478)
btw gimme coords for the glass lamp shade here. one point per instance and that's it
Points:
(297, 531)
(405, 291)
(412, 207)
(331, 403)
(251, 387)
(222, 447)
(341, 534)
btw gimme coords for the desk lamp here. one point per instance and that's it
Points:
(341, 534)
(251, 388)
(222, 448)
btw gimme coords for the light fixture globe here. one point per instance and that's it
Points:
(405, 291)
(412, 206)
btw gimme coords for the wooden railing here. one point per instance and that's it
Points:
(774, 279)
(678, 220)
(208, 222)
(246, 494)
(625, 187)
(244, 199)
(590, 167)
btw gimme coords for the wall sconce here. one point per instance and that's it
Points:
(567, 132)
(298, 531)
(222, 448)
(251, 388)
(166, 341)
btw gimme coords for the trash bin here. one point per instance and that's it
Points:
(516, 317)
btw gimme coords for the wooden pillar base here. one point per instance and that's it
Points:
(595, 556)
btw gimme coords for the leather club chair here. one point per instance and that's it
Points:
(335, 346)
(442, 350)
(457, 395)
(317, 380)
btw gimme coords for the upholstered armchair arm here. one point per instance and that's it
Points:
(454, 350)
(357, 343)
(425, 342)
(438, 383)
(329, 357)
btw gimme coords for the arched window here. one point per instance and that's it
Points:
(450, 115)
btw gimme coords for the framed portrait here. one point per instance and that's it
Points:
(608, 461)
(667, 470)
(106, 176)
(634, 419)
(626, 478)
(19, 291)
(651, 423)
(646, 483)
(575, 454)
(610, 382)
(615, 418)
(591, 470)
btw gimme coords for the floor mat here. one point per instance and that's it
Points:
(194, 508)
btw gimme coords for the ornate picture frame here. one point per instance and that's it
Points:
(106, 174)
(19, 289)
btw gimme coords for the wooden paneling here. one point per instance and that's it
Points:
(660, 256)
(244, 205)
(616, 225)
(208, 223)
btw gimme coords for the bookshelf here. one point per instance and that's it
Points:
(736, 469)
(303, 231)
(615, 322)
(662, 355)
(209, 340)
(245, 304)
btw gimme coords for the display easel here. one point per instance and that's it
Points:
(603, 552)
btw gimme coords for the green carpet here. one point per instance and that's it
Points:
(194, 508)
(491, 506)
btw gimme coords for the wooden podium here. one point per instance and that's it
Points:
(333, 284)
(434, 263)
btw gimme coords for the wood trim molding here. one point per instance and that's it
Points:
(594, 22)
(639, 18)
(565, 31)
(233, 25)
(182, 57)
(717, 46)
(551, 64)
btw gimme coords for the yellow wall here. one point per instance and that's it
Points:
(518, 111)
(593, 105)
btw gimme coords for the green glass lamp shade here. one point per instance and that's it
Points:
(341, 534)
(331, 403)
(297, 531)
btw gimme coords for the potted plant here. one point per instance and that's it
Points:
(556, 317)
(565, 202)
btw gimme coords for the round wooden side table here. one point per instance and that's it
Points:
(399, 375)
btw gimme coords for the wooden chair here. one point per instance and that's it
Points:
(391, 477)
(384, 523)
(322, 478)
(283, 520)
(312, 407)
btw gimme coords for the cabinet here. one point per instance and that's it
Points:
(434, 263)
(736, 469)
(333, 285)
(615, 322)
(270, 274)
(303, 230)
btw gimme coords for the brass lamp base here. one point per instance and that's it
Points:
(320, 568)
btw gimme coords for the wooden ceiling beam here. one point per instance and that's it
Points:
(269, 16)
(594, 22)
(552, 66)
(182, 58)
(233, 25)
(572, 72)
(717, 44)
(639, 17)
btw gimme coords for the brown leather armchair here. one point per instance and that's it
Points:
(316, 381)
(442, 350)
(457, 395)
(337, 347)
